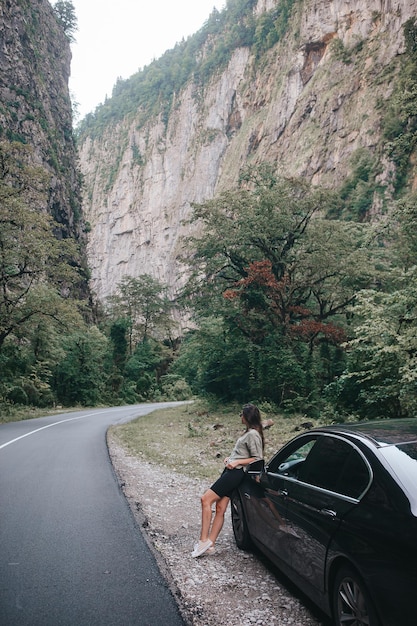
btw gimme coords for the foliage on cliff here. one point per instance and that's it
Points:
(400, 119)
(208, 51)
(35, 107)
(66, 16)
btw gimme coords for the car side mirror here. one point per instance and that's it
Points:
(256, 467)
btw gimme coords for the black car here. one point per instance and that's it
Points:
(336, 510)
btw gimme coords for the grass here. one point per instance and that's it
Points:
(193, 439)
(18, 413)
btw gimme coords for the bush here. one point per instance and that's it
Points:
(175, 388)
(17, 395)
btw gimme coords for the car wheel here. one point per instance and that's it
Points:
(240, 527)
(352, 605)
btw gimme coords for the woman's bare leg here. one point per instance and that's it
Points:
(207, 500)
(218, 521)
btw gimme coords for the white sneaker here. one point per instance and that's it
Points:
(211, 550)
(201, 547)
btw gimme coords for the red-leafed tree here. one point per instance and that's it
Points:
(278, 276)
(275, 305)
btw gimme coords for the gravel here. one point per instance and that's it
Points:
(228, 587)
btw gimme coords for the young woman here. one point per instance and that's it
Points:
(249, 447)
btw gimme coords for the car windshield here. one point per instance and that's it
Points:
(403, 460)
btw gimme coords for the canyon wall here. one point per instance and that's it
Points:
(309, 106)
(35, 105)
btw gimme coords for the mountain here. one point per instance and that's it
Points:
(35, 106)
(313, 87)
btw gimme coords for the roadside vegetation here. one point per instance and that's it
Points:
(194, 439)
(286, 304)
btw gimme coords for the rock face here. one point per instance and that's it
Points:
(314, 102)
(35, 106)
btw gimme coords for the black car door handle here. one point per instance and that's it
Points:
(276, 493)
(328, 512)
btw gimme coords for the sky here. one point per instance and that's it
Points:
(116, 38)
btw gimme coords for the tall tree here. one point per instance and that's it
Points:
(278, 277)
(269, 249)
(142, 301)
(381, 377)
(78, 377)
(66, 16)
(35, 268)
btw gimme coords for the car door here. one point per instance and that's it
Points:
(330, 482)
(265, 513)
(266, 501)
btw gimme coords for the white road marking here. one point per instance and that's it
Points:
(32, 432)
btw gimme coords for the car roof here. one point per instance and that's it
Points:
(380, 433)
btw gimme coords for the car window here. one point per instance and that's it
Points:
(337, 466)
(289, 464)
(355, 476)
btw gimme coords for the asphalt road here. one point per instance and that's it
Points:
(71, 553)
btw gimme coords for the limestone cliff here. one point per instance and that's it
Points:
(312, 103)
(35, 107)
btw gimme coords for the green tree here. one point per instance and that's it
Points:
(145, 367)
(381, 380)
(279, 276)
(78, 378)
(66, 16)
(30, 354)
(118, 337)
(381, 377)
(35, 268)
(213, 362)
(268, 248)
(144, 302)
(141, 334)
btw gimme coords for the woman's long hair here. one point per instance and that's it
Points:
(253, 420)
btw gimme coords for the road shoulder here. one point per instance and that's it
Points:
(229, 585)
